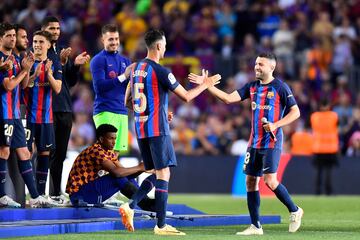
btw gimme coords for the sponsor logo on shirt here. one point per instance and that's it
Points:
(260, 107)
(141, 118)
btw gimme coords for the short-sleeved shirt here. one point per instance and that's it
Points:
(268, 101)
(87, 165)
(150, 84)
(38, 94)
(10, 100)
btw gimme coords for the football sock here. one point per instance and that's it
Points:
(253, 202)
(161, 196)
(283, 195)
(28, 176)
(144, 188)
(42, 167)
(3, 171)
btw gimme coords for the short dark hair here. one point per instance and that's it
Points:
(109, 28)
(103, 129)
(324, 102)
(19, 26)
(153, 36)
(47, 20)
(4, 27)
(268, 55)
(45, 34)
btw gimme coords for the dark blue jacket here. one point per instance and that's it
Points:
(62, 101)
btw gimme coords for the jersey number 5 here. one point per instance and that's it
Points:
(140, 98)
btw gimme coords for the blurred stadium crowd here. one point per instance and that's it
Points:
(317, 44)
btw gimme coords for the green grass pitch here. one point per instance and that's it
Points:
(327, 218)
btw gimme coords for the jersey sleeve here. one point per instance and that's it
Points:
(244, 92)
(57, 72)
(101, 84)
(286, 96)
(168, 79)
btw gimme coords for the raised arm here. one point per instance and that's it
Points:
(223, 96)
(189, 95)
(54, 80)
(10, 83)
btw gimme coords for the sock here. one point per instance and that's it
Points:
(161, 196)
(147, 204)
(27, 174)
(144, 189)
(283, 195)
(3, 171)
(133, 181)
(42, 167)
(253, 202)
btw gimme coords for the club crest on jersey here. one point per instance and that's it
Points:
(270, 95)
(112, 74)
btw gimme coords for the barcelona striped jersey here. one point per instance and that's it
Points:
(268, 101)
(150, 84)
(38, 95)
(10, 100)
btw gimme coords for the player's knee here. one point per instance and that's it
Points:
(4, 152)
(163, 174)
(251, 183)
(271, 182)
(23, 153)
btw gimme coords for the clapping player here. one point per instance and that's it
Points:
(44, 79)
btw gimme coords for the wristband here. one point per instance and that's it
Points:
(121, 78)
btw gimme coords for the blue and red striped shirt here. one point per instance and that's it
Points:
(10, 100)
(150, 83)
(268, 101)
(38, 95)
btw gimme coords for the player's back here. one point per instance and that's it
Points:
(150, 83)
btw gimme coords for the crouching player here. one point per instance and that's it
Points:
(84, 182)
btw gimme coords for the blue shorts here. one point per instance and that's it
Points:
(259, 161)
(99, 190)
(43, 134)
(12, 133)
(19, 139)
(157, 152)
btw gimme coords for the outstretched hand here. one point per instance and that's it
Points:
(194, 78)
(204, 78)
(213, 80)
